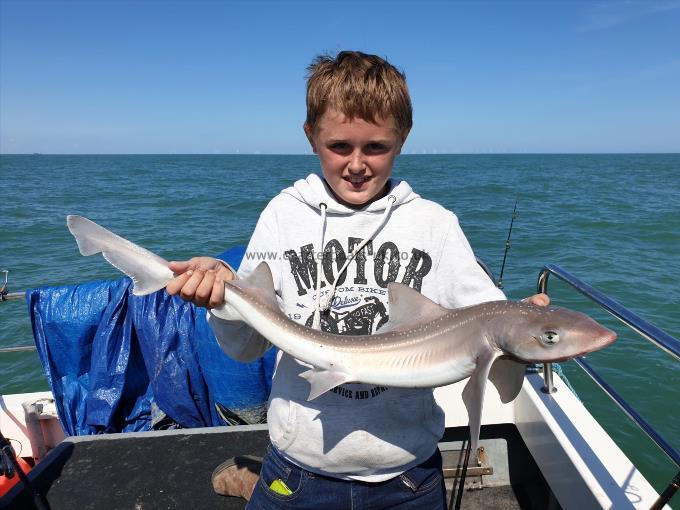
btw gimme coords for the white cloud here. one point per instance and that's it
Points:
(603, 15)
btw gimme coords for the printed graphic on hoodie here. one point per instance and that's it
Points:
(362, 320)
(387, 265)
(357, 306)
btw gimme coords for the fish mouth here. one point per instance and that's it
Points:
(608, 338)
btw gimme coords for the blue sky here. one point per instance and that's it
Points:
(228, 77)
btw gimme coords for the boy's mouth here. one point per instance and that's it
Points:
(357, 180)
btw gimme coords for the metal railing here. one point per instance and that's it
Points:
(8, 296)
(655, 335)
(12, 296)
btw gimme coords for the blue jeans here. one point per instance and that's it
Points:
(419, 488)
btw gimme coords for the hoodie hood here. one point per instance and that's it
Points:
(314, 191)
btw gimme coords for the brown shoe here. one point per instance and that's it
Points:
(237, 476)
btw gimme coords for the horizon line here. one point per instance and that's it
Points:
(311, 154)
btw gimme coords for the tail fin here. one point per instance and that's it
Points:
(148, 271)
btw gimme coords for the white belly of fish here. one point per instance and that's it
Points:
(416, 367)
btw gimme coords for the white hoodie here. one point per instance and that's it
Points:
(356, 431)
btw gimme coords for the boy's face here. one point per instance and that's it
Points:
(356, 156)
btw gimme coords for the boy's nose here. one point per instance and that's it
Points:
(356, 163)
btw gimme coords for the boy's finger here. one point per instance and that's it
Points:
(204, 289)
(179, 267)
(189, 289)
(541, 300)
(175, 285)
(538, 300)
(217, 296)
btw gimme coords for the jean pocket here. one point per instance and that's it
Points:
(280, 479)
(424, 476)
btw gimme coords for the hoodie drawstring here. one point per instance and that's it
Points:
(316, 323)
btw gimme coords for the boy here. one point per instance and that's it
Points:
(338, 242)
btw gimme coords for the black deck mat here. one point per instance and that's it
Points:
(173, 472)
(160, 472)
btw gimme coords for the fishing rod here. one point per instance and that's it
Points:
(507, 246)
(461, 483)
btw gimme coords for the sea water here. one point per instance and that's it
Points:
(612, 220)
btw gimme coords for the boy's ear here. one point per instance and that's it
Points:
(309, 132)
(404, 136)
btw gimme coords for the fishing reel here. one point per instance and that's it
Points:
(11, 465)
(7, 453)
(3, 289)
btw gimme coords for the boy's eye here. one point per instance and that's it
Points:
(376, 148)
(371, 148)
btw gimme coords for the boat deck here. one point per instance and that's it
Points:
(171, 470)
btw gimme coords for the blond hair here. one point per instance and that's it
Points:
(359, 86)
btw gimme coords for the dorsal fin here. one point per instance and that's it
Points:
(409, 307)
(259, 283)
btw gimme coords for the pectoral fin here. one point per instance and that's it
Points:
(322, 380)
(473, 398)
(507, 376)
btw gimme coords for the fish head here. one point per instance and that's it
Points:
(551, 334)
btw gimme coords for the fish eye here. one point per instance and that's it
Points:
(550, 337)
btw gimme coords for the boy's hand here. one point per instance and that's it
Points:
(200, 280)
(538, 300)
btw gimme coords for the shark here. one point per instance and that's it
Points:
(423, 345)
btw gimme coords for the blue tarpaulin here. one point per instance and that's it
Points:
(114, 360)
